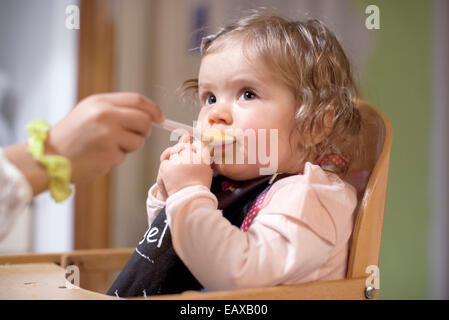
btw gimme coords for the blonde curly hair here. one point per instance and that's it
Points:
(308, 59)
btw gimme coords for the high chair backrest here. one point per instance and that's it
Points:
(370, 177)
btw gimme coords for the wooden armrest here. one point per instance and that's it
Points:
(346, 289)
(86, 260)
(98, 259)
(31, 258)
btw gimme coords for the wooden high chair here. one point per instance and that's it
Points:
(18, 273)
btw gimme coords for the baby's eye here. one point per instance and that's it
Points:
(211, 99)
(248, 95)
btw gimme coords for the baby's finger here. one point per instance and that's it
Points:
(175, 159)
(169, 151)
(161, 186)
(187, 155)
(185, 139)
(165, 154)
(172, 150)
(198, 144)
(201, 151)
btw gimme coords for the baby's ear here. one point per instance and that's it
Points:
(322, 127)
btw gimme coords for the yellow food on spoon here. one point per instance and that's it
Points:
(216, 138)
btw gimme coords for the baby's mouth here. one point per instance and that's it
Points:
(220, 147)
(215, 138)
(219, 144)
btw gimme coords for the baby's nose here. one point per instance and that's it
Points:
(220, 114)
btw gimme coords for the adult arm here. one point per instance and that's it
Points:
(95, 136)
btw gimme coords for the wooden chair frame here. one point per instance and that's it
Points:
(364, 251)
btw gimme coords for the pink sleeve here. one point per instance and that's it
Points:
(290, 238)
(154, 206)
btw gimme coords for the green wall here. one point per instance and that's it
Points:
(396, 80)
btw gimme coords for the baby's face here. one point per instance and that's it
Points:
(241, 98)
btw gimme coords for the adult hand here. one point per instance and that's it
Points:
(98, 133)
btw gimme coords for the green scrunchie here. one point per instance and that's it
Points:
(58, 167)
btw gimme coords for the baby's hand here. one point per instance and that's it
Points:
(184, 165)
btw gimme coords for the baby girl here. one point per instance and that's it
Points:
(228, 225)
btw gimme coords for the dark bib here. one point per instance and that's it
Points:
(155, 268)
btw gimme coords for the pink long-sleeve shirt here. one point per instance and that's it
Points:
(300, 234)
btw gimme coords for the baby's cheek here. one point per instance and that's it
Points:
(278, 147)
(263, 144)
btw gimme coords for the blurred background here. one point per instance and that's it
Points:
(47, 64)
